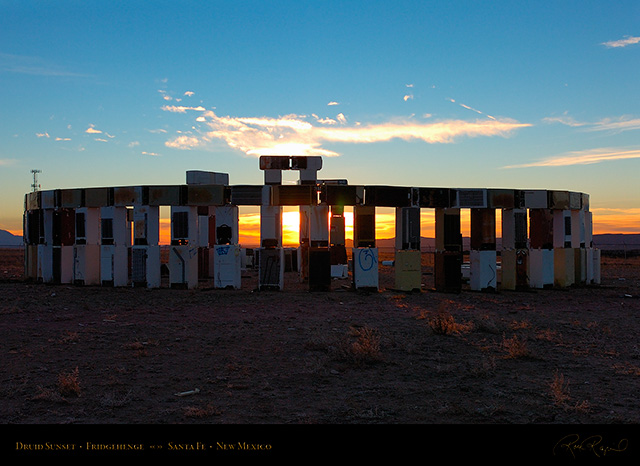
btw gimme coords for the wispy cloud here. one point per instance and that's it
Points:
(34, 66)
(619, 124)
(564, 120)
(332, 103)
(294, 135)
(154, 154)
(42, 135)
(586, 157)
(628, 40)
(181, 109)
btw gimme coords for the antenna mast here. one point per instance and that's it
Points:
(35, 186)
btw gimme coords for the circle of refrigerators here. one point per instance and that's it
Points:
(109, 236)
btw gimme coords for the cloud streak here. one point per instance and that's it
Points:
(565, 120)
(619, 124)
(471, 108)
(628, 40)
(587, 157)
(623, 123)
(181, 109)
(35, 66)
(294, 135)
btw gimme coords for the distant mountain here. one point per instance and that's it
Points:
(617, 241)
(7, 239)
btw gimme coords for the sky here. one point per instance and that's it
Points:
(480, 94)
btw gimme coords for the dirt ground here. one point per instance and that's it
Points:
(98, 355)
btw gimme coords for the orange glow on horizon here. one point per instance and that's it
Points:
(165, 231)
(605, 221)
(15, 232)
(616, 221)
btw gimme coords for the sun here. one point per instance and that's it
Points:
(290, 228)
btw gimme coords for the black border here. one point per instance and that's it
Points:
(566, 443)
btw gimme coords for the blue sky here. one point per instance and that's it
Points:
(502, 94)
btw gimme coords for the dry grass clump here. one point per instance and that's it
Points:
(582, 407)
(519, 325)
(45, 394)
(70, 337)
(366, 347)
(561, 396)
(367, 344)
(68, 383)
(140, 348)
(485, 368)
(559, 389)
(548, 335)
(443, 323)
(360, 345)
(627, 369)
(515, 347)
(202, 412)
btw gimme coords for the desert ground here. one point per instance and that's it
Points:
(100, 355)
